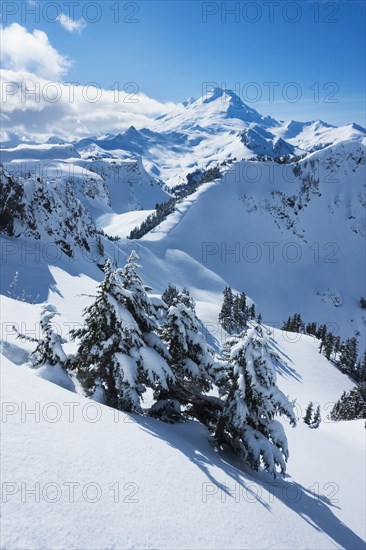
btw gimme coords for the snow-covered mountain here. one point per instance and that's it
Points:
(311, 136)
(310, 209)
(197, 134)
(282, 218)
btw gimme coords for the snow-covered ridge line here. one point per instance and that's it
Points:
(207, 131)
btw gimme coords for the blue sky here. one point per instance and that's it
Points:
(174, 47)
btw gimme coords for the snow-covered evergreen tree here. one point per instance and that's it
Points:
(362, 369)
(191, 359)
(135, 296)
(240, 311)
(49, 357)
(234, 312)
(251, 312)
(117, 355)
(170, 295)
(226, 314)
(295, 324)
(186, 299)
(321, 332)
(49, 350)
(252, 401)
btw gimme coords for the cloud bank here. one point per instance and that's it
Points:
(36, 102)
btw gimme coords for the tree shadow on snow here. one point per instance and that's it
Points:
(282, 367)
(193, 440)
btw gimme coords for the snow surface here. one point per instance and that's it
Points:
(174, 490)
(121, 225)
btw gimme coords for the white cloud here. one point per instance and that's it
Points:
(70, 25)
(36, 108)
(36, 104)
(32, 52)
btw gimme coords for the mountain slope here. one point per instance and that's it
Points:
(293, 242)
(122, 465)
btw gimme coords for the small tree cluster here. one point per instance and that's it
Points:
(294, 324)
(351, 405)
(129, 343)
(171, 294)
(162, 210)
(235, 313)
(195, 179)
(344, 355)
(311, 418)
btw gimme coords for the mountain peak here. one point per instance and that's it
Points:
(234, 107)
(223, 93)
(188, 101)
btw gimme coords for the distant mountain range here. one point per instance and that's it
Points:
(199, 133)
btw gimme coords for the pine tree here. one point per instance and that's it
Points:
(239, 312)
(362, 370)
(226, 314)
(297, 323)
(191, 359)
(328, 345)
(118, 355)
(317, 418)
(251, 312)
(348, 356)
(336, 346)
(134, 295)
(294, 324)
(236, 313)
(252, 400)
(49, 355)
(311, 329)
(49, 349)
(242, 311)
(309, 414)
(170, 295)
(186, 299)
(321, 332)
